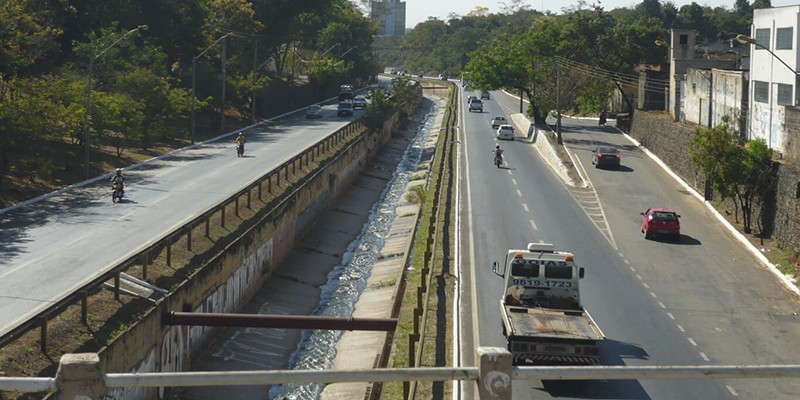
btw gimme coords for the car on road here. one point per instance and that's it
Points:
(606, 156)
(485, 95)
(345, 108)
(314, 111)
(475, 105)
(470, 98)
(505, 132)
(497, 121)
(661, 221)
(359, 102)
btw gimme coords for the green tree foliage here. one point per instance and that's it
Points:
(380, 108)
(739, 171)
(26, 35)
(31, 116)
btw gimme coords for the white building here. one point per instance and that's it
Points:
(390, 15)
(773, 81)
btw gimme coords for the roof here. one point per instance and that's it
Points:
(662, 209)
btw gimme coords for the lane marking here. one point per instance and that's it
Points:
(632, 269)
(519, 193)
(705, 357)
(646, 286)
(733, 392)
(639, 277)
(514, 181)
(692, 341)
(525, 207)
(533, 225)
(672, 317)
(660, 304)
(680, 328)
(654, 295)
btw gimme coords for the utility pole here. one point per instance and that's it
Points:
(558, 103)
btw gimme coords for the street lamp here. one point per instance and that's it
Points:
(95, 56)
(748, 40)
(194, 70)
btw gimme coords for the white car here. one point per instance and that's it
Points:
(505, 132)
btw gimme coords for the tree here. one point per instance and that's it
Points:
(739, 171)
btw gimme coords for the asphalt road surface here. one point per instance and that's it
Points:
(703, 300)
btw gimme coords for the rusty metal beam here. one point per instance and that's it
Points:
(279, 321)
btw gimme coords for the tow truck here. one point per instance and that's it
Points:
(541, 313)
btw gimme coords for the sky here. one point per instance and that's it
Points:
(419, 10)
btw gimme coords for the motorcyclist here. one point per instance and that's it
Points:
(240, 141)
(498, 153)
(118, 179)
(603, 116)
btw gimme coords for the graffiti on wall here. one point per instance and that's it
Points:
(147, 365)
(179, 342)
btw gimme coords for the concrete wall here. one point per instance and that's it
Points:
(230, 279)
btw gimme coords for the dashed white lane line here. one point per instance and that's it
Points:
(660, 304)
(639, 277)
(692, 341)
(632, 269)
(653, 295)
(514, 181)
(509, 172)
(525, 207)
(519, 193)
(672, 317)
(680, 328)
(733, 392)
(705, 357)
(646, 286)
(533, 225)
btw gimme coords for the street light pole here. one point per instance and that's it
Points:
(194, 74)
(746, 39)
(95, 56)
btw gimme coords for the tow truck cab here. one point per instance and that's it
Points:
(540, 276)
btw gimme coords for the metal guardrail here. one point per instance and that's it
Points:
(79, 375)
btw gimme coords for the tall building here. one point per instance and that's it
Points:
(390, 15)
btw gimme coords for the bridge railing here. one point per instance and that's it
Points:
(79, 375)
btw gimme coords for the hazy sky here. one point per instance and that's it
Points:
(419, 10)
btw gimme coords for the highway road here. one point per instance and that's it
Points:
(57, 244)
(704, 300)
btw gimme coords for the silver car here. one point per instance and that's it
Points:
(314, 111)
(359, 102)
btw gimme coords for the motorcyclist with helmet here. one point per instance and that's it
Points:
(240, 141)
(498, 155)
(118, 184)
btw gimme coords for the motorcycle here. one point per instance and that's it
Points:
(239, 149)
(498, 159)
(117, 192)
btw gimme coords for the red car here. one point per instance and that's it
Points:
(658, 221)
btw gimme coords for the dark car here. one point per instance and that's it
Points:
(661, 221)
(606, 156)
(484, 95)
(345, 108)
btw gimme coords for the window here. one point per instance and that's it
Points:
(762, 38)
(784, 95)
(783, 38)
(761, 91)
(683, 39)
